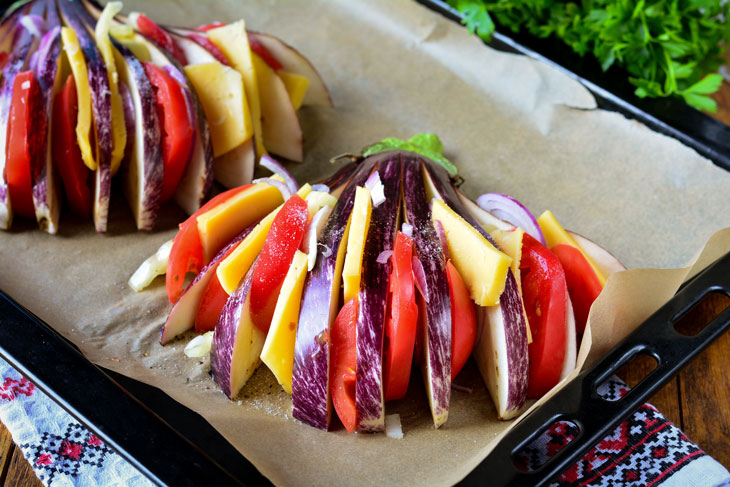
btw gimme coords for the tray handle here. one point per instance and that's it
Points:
(594, 416)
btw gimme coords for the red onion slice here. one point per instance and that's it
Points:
(312, 233)
(510, 210)
(420, 277)
(384, 256)
(375, 186)
(273, 166)
(283, 188)
(321, 187)
(442, 237)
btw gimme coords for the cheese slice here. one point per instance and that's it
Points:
(83, 93)
(218, 226)
(232, 269)
(119, 130)
(555, 234)
(481, 265)
(296, 85)
(317, 200)
(221, 92)
(278, 351)
(359, 225)
(232, 40)
(124, 34)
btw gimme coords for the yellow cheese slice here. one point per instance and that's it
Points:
(316, 200)
(232, 40)
(124, 34)
(278, 352)
(218, 226)
(359, 225)
(119, 130)
(296, 85)
(555, 234)
(232, 269)
(481, 265)
(83, 94)
(221, 92)
(246, 349)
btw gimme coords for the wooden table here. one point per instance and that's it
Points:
(697, 400)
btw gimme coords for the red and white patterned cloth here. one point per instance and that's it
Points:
(646, 450)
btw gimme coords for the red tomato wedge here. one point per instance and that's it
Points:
(186, 254)
(161, 38)
(207, 44)
(177, 134)
(211, 305)
(66, 153)
(463, 320)
(402, 313)
(282, 242)
(583, 284)
(19, 145)
(544, 293)
(343, 360)
(264, 53)
(211, 26)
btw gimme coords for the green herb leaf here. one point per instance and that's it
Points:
(428, 145)
(667, 47)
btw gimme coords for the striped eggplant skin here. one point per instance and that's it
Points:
(101, 105)
(224, 336)
(145, 169)
(22, 45)
(435, 360)
(319, 306)
(46, 191)
(509, 315)
(373, 300)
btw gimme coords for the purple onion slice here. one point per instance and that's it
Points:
(272, 165)
(283, 188)
(510, 210)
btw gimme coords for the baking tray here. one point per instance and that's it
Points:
(669, 116)
(173, 445)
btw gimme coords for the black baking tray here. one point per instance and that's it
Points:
(173, 445)
(669, 116)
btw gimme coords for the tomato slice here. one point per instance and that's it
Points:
(66, 153)
(544, 293)
(211, 306)
(282, 242)
(161, 38)
(186, 254)
(209, 46)
(583, 284)
(463, 320)
(177, 133)
(400, 329)
(20, 132)
(343, 361)
(210, 26)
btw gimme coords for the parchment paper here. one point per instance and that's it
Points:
(511, 125)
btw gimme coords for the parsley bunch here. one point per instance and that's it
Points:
(668, 47)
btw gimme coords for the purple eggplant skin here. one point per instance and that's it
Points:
(145, 167)
(45, 189)
(224, 337)
(17, 61)
(436, 362)
(319, 307)
(510, 301)
(373, 300)
(101, 105)
(182, 315)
